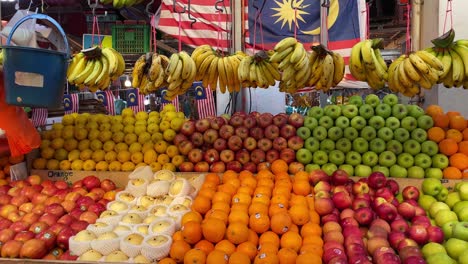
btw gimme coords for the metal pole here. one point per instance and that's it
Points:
(323, 39)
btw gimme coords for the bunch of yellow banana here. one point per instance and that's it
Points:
(96, 73)
(327, 68)
(214, 69)
(410, 72)
(180, 74)
(367, 64)
(258, 71)
(149, 74)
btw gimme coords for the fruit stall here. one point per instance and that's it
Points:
(354, 167)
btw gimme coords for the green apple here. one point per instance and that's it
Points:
(452, 199)
(385, 133)
(336, 157)
(405, 160)
(350, 111)
(460, 206)
(415, 172)
(353, 158)
(329, 168)
(444, 216)
(310, 122)
(455, 247)
(425, 201)
(358, 122)
(425, 122)
(381, 169)
(304, 156)
(394, 146)
(415, 111)
(419, 134)
(327, 145)
(440, 258)
(447, 229)
(397, 171)
(463, 191)
(303, 132)
(376, 122)
(458, 185)
(372, 100)
(370, 158)
(392, 122)
(412, 147)
(401, 134)
(440, 161)
(312, 144)
(431, 186)
(436, 207)
(383, 110)
(326, 122)
(350, 133)
(422, 160)
(344, 145)
(348, 168)
(362, 170)
(387, 159)
(432, 248)
(315, 111)
(333, 111)
(335, 133)
(463, 215)
(368, 133)
(366, 111)
(429, 147)
(377, 145)
(399, 111)
(342, 122)
(311, 167)
(463, 258)
(320, 157)
(460, 230)
(442, 195)
(435, 173)
(360, 145)
(320, 133)
(409, 123)
(355, 100)
(390, 99)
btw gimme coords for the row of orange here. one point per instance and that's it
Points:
(239, 218)
(450, 131)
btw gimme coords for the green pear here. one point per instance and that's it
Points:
(455, 247)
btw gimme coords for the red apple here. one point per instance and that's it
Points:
(323, 206)
(235, 143)
(377, 180)
(364, 216)
(360, 203)
(11, 249)
(280, 120)
(78, 225)
(407, 242)
(435, 234)
(360, 187)
(256, 132)
(177, 139)
(187, 128)
(218, 167)
(234, 166)
(210, 135)
(67, 255)
(6, 235)
(201, 166)
(419, 234)
(329, 218)
(97, 208)
(399, 225)
(385, 193)
(201, 125)
(30, 218)
(393, 185)
(185, 146)
(421, 220)
(347, 212)
(24, 235)
(242, 132)
(287, 131)
(66, 219)
(195, 155)
(406, 210)
(220, 144)
(26, 208)
(386, 211)
(265, 119)
(19, 200)
(339, 177)
(382, 223)
(211, 156)
(63, 236)
(197, 139)
(349, 221)
(38, 227)
(55, 209)
(5, 199)
(227, 155)
(186, 166)
(271, 155)
(288, 155)
(226, 131)
(342, 200)
(295, 143)
(280, 143)
(48, 237)
(410, 193)
(217, 122)
(322, 186)
(243, 156)
(250, 121)
(257, 156)
(272, 132)
(19, 226)
(49, 219)
(89, 217)
(317, 176)
(296, 119)
(236, 120)
(250, 143)
(84, 202)
(250, 166)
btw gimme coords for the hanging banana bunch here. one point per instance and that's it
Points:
(148, 73)
(257, 71)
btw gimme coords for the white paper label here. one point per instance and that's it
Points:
(29, 79)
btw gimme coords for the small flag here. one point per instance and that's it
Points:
(205, 100)
(135, 100)
(164, 102)
(71, 103)
(107, 99)
(39, 116)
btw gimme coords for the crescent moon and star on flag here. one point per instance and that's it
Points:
(200, 92)
(67, 105)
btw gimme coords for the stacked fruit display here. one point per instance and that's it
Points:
(449, 211)
(451, 133)
(97, 71)
(137, 226)
(5, 163)
(370, 220)
(362, 137)
(38, 217)
(244, 142)
(112, 143)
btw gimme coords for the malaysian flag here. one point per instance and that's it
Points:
(71, 103)
(39, 116)
(164, 102)
(135, 100)
(208, 26)
(205, 100)
(107, 98)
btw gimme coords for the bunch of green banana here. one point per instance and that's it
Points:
(214, 69)
(258, 71)
(410, 72)
(121, 3)
(180, 74)
(149, 74)
(327, 68)
(97, 73)
(366, 63)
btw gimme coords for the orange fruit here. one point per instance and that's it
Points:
(452, 173)
(241, 198)
(201, 204)
(282, 188)
(266, 182)
(330, 226)
(239, 258)
(226, 246)
(245, 174)
(448, 146)
(217, 257)
(221, 197)
(436, 134)
(265, 174)
(308, 258)
(167, 261)
(454, 134)
(463, 147)
(441, 120)
(212, 177)
(249, 182)
(294, 228)
(191, 216)
(227, 188)
(240, 207)
(206, 192)
(313, 240)
(280, 223)
(266, 258)
(261, 198)
(280, 199)
(221, 206)
(282, 175)
(177, 236)
(229, 174)
(237, 232)
(253, 237)
(178, 250)
(234, 182)
(299, 214)
(268, 247)
(314, 217)
(301, 175)
(257, 207)
(295, 167)
(218, 214)
(434, 109)
(259, 222)
(457, 122)
(459, 161)
(209, 185)
(239, 217)
(194, 256)
(465, 134)
(298, 200)
(248, 248)
(204, 245)
(246, 189)
(291, 240)
(213, 229)
(192, 232)
(279, 165)
(269, 237)
(287, 256)
(276, 209)
(263, 190)
(452, 113)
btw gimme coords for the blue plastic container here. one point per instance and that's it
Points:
(35, 77)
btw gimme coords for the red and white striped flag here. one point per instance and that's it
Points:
(135, 100)
(108, 100)
(39, 116)
(210, 26)
(71, 103)
(205, 101)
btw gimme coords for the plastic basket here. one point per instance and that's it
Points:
(131, 39)
(34, 77)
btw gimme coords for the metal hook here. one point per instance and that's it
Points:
(175, 10)
(93, 6)
(148, 7)
(220, 9)
(326, 3)
(190, 13)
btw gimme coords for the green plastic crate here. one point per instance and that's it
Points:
(131, 39)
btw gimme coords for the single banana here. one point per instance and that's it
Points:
(213, 74)
(448, 80)
(317, 70)
(411, 71)
(403, 77)
(75, 60)
(424, 82)
(281, 55)
(398, 86)
(200, 50)
(430, 59)
(288, 73)
(187, 63)
(380, 59)
(339, 66)
(235, 61)
(462, 51)
(285, 63)
(158, 83)
(104, 72)
(155, 67)
(366, 52)
(297, 53)
(356, 66)
(177, 73)
(285, 44)
(138, 71)
(80, 78)
(458, 69)
(418, 63)
(173, 61)
(446, 60)
(432, 75)
(222, 76)
(113, 60)
(379, 70)
(313, 56)
(244, 68)
(302, 73)
(327, 71)
(391, 79)
(79, 68)
(273, 71)
(91, 79)
(253, 74)
(303, 62)
(203, 68)
(228, 69)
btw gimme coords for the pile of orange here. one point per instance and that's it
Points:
(242, 218)
(450, 131)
